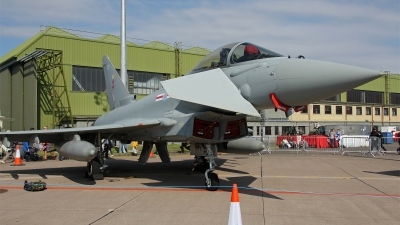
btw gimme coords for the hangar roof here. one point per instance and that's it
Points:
(15, 54)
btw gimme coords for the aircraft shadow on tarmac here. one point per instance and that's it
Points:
(177, 174)
(395, 173)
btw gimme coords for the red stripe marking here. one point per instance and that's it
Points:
(244, 191)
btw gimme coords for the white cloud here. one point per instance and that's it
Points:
(360, 33)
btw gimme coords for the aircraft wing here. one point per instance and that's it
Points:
(118, 127)
(211, 88)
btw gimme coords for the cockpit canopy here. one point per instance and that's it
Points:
(232, 54)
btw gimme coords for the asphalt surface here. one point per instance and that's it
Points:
(282, 188)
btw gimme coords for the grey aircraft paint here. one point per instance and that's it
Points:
(206, 107)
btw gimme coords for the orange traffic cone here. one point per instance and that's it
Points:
(151, 154)
(18, 160)
(235, 216)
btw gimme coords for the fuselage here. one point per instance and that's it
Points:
(295, 81)
(257, 73)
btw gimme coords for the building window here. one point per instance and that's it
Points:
(92, 79)
(316, 109)
(349, 110)
(302, 130)
(268, 130)
(386, 111)
(373, 97)
(377, 111)
(364, 96)
(277, 131)
(305, 110)
(355, 96)
(89, 79)
(289, 130)
(395, 98)
(328, 109)
(339, 110)
(145, 82)
(368, 111)
(358, 110)
(394, 112)
(333, 98)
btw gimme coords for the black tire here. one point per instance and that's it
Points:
(214, 182)
(93, 170)
(202, 165)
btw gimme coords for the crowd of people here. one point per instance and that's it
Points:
(30, 153)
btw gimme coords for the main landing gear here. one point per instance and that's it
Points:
(96, 166)
(206, 164)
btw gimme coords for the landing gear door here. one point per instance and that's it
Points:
(197, 149)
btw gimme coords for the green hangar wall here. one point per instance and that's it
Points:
(24, 99)
(26, 93)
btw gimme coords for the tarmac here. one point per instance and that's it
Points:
(278, 188)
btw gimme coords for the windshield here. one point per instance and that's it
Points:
(242, 53)
(217, 58)
(246, 52)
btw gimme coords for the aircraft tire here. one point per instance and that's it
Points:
(202, 166)
(93, 170)
(214, 182)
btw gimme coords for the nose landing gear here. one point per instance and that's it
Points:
(207, 159)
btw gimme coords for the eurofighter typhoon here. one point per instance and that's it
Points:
(206, 108)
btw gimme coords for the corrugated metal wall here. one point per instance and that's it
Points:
(5, 96)
(17, 97)
(89, 53)
(30, 108)
(375, 85)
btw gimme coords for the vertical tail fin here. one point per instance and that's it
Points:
(118, 95)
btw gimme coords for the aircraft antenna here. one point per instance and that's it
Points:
(123, 44)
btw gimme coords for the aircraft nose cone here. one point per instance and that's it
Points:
(303, 81)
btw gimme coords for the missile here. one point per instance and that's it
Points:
(244, 145)
(77, 150)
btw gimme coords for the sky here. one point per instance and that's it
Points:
(364, 33)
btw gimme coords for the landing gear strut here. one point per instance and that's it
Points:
(95, 169)
(96, 166)
(211, 179)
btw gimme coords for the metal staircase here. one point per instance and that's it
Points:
(52, 87)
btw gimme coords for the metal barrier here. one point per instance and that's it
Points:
(362, 144)
(366, 145)
(347, 144)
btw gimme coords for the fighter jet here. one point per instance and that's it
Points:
(206, 108)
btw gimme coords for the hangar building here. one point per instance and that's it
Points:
(55, 78)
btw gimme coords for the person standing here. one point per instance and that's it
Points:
(381, 140)
(135, 145)
(8, 151)
(338, 135)
(183, 146)
(374, 137)
(47, 148)
(332, 138)
(122, 148)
